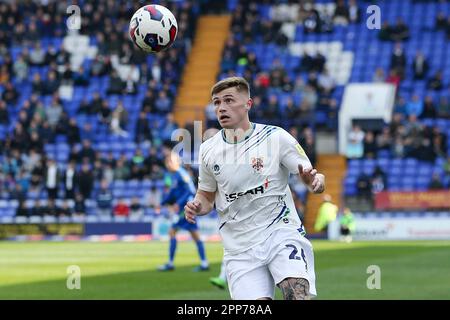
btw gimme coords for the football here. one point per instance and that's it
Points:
(153, 28)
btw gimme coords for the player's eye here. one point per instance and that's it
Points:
(228, 101)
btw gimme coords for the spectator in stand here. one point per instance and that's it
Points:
(104, 199)
(37, 85)
(439, 141)
(307, 142)
(326, 82)
(153, 197)
(51, 84)
(66, 75)
(354, 12)
(69, 180)
(163, 103)
(446, 166)
(73, 132)
(53, 112)
(121, 171)
(384, 140)
(355, 146)
(96, 104)
(79, 205)
(50, 209)
(21, 68)
(441, 21)
(37, 209)
(4, 114)
(271, 109)
(306, 63)
(398, 147)
(370, 146)
(420, 66)
(311, 24)
(116, 85)
(429, 111)
(136, 209)
(292, 111)
(86, 152)
(143, 132)
(130, 86)
(435, 82)
(415, 106)
(379, 180)
(447, 29)
(52, 179)
(364, 186)
(85, 181)
(4, 75)
(169, 127)
(436, 182)
(341, 14)
(394, 78)
(400, 31)
(81, 77)
(37, 55)
(400, 107)
(443, 108)
(22, 209)
(116, 127)
(148, 102)
(121, 208)
(398, 59)
(10, 94)
(64, 210)
(50, 55)
(101, 66)
(87, 133)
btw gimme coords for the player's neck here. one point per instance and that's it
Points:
(239, 133)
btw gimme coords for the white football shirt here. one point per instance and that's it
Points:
(250, 179)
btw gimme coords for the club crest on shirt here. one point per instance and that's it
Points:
(257, 164)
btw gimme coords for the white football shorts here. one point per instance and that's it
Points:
(254, 273)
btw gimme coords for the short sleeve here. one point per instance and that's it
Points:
(206, 180)
(291, 153)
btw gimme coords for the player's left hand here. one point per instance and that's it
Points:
(313, 179)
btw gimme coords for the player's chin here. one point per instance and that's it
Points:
(226, 123)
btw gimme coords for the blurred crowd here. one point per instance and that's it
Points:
(30, 123)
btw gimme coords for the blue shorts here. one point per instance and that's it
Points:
(182, 223)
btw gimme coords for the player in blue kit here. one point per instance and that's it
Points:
(181, 191)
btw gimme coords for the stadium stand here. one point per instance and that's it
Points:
(90, 99)
(86, 98)
(299, 63)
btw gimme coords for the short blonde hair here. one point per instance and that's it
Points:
(239, 83)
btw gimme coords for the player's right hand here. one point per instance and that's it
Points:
(191, 210)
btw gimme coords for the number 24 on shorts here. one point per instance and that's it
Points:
(293, 255)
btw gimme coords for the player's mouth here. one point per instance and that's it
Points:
(224, 117)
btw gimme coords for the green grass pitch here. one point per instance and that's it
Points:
(127, 270)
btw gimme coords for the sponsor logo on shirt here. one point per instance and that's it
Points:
(258, 190)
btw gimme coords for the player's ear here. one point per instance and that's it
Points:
(249, 104)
